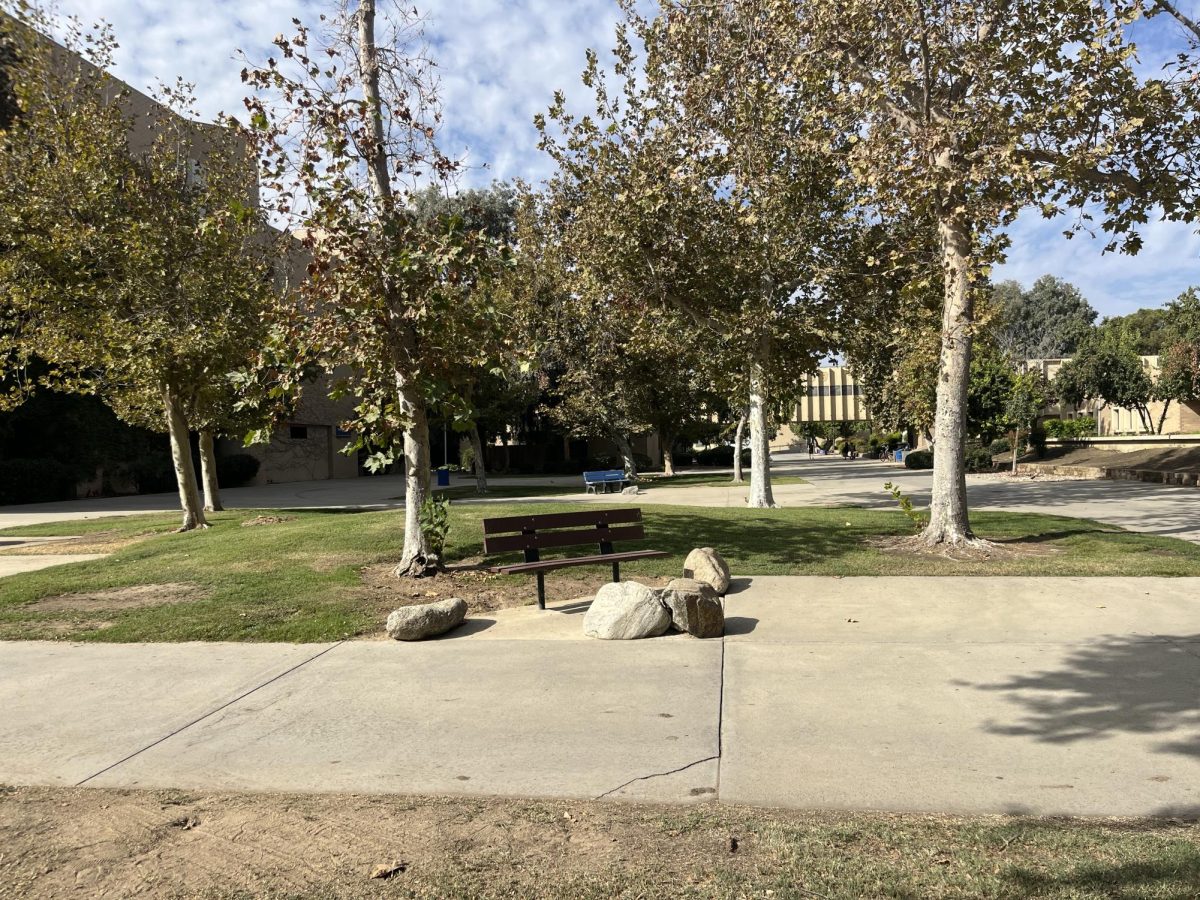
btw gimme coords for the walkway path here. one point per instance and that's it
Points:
(980, 695)
(1158, 509)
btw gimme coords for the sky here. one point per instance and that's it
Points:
(499, 63)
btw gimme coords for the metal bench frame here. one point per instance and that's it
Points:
(532, 534)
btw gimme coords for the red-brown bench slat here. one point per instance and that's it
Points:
(595, 518)
(548, 540)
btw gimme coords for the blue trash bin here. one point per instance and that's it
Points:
(899, 456)
(443, 478)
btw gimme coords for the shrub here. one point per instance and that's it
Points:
(236, 469)
(919, 459)
(35, 481)
(153, 473)
(1000, 446)
(979, 459)
(1070, 429)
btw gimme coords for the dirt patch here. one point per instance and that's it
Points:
(132, 597)
(96, 542)
(267, 520)
(93, 842)
(979, 551)
(482, 590)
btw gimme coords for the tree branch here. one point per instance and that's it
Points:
(1174, 12)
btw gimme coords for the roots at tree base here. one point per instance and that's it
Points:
(419, 567)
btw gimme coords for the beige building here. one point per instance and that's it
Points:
(1180, 418)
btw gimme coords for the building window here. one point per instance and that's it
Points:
(298, 432)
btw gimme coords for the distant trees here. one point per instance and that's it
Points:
(1048, 321)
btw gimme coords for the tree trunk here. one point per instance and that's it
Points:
(948, 519)
(1016, 447)
(761, 496)
(668, 453)
(417, 558)
(480, 463)
(626, 451)
(181, 456)
(1163, 418)
(208, 473)
(738, 435)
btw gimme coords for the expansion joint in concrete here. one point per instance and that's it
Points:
(209, 714)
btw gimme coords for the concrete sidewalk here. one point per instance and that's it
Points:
(967, 695)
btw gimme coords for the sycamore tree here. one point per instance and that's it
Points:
(969, 112)
(687, 187)
(345, 119)
(135, 265)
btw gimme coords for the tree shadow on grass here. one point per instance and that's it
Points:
(1175, 874)
(1119, 685)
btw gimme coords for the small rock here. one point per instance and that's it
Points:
(706, 564)
(694, 607)
(626, 611)
(387, 870)
(415, 623)
(632, 490)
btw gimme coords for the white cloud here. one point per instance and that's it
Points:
(500, 62)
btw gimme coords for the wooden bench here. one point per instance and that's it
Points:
(603, 478)
(532, 534)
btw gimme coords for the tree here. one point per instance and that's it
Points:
(135, 262)
(1046, 322)
(1107, 369)
(1179, 375)
(344, 124)
(968, 112)
(489, 212)
(1026, 400)
(688, 188)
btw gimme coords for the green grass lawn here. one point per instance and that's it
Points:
(300, 580)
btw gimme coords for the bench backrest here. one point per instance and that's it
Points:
(533, 533)
(604, 475)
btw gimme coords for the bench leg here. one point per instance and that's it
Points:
(616, 571)
(541, 577)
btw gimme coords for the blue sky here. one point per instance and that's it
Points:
(500, 62)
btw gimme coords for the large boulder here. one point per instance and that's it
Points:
(694, 607)
(705, 564)
(415, 623)
(625, 611)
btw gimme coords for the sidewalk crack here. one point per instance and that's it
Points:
(658, 775)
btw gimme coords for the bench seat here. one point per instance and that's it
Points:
(597, 559)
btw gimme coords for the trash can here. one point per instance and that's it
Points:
(443, 476)
(899, 456)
